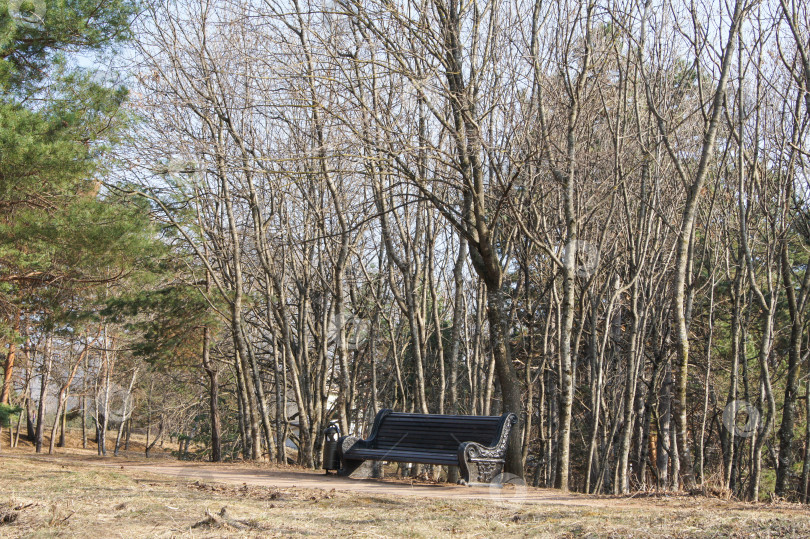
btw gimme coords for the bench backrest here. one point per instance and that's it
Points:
(433, 432)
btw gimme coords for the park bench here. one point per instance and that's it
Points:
(476, 444)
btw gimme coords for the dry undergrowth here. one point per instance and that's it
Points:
(40, 498)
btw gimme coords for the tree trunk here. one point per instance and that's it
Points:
(664, 419)
(727, 440)
(806, 464)
(597, 372)
(510, 385)
(43, 394)
(5, 392)
(63, 425)
(213, 397)
(796, 307)
(126, 411)
(629, 394)
(707, 383)
(767, 395)
(244, 413)
(158, 437)
(251, 418)
(566, 379)
(684, 242)
(61, 406)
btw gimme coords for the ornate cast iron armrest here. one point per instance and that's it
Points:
(345, 443)
(357, 467)
(480, 464)
(352, 467)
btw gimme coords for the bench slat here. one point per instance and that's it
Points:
(461, 424)
(428, 437)
(394, 416)
(441, 430)
(422, 457)
(428, 440)
(438, 428)
(459, 436)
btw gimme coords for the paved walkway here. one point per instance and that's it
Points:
(303, 479)
(239, 474)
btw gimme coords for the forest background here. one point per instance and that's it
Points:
(229, 224)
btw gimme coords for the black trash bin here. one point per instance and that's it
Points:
(331, 453)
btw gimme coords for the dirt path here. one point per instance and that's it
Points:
(239, 474)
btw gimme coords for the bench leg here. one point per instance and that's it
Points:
(358, 469)
(480, 472)
(479, 465)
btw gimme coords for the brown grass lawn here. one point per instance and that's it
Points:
(66, 497)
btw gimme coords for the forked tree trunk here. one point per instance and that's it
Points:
(126, 412)
(695, 183)
(61, 406)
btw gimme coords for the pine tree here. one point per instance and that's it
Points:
(57, 124)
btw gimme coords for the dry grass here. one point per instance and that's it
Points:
(73, 440)
(47, 498)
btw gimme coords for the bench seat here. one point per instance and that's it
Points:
(421, 457)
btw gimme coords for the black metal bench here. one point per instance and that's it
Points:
(476, 444)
